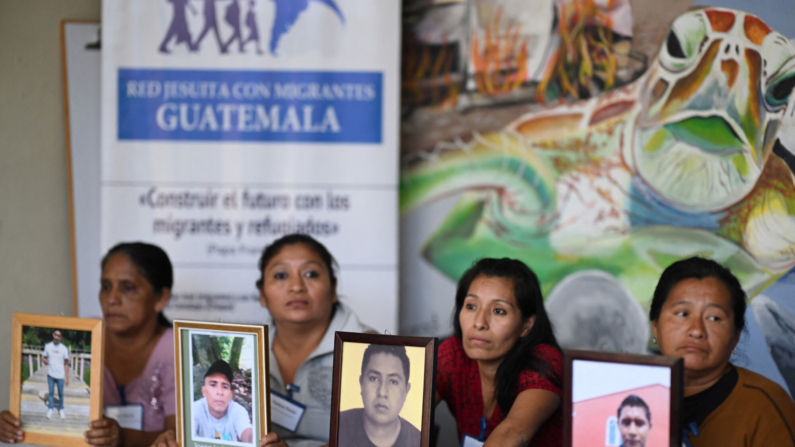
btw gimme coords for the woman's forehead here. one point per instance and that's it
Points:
(296, 253)
(707, 291)
(492, 288)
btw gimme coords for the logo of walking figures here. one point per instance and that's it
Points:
(286, 15)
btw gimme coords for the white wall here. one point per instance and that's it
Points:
(35, 254)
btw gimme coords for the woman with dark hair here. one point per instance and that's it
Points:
(139, 347)
(500, 373)
(698, 314)
(299, 287)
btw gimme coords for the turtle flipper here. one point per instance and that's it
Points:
(517, 186)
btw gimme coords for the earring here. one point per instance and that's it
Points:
(654, 340)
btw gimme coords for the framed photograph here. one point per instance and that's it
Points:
(222, 383)
(383, 385)
(621, 399)
(56, 377)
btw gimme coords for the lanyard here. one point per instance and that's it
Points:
(482, 436)
(691, 428)
(123, 394)
(290, 388)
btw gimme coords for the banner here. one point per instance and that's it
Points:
(227, 124)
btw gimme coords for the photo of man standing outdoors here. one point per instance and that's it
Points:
(634, 421)
(384, 382)
(56, 357)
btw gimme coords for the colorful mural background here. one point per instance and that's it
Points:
(599, 141)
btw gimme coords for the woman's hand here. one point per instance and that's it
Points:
(104, 432)
(166, 439)
(272, 440)
(9, 428)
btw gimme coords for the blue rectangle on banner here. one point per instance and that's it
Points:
(222, 105)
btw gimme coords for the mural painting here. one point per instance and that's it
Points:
(557, 138)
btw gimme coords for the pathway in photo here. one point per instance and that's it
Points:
(35, 400)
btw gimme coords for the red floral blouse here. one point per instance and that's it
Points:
(458, 382)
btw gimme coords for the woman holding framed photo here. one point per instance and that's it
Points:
(299, 287)
(698, 314)
(501, 373)
(139, 349)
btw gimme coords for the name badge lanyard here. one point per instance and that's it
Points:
(482, 437)
(470, 441)
(285, 411)
(290, 388)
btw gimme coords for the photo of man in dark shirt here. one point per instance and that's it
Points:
(384, 382)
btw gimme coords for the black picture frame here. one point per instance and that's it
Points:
(430, 346)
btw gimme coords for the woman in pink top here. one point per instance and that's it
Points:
(139, 347)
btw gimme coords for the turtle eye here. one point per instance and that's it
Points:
(778, 69)
(674, 47)
(779, 92)
(684, 41)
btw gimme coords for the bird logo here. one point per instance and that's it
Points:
(287, 12)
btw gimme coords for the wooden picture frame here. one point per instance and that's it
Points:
(201, 349)
(348, 393)
(30, 399)
(599, 386)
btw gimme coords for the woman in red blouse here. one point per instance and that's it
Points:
(500, 373)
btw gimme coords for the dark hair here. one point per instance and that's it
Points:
(219, 367)
(276, 246)
(153, 264)
(634, 401)
(527, 293)
(699, 268)
(396, 350)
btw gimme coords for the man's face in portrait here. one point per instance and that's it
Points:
(634, 426)
(218, 392)
(384, 388)
(56, 337)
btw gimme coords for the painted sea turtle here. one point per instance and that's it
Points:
(678, 163)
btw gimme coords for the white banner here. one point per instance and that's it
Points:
(227, 124)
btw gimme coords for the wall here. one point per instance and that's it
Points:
(35, 255)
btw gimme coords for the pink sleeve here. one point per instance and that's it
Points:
(166, 356)
(169, 396)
